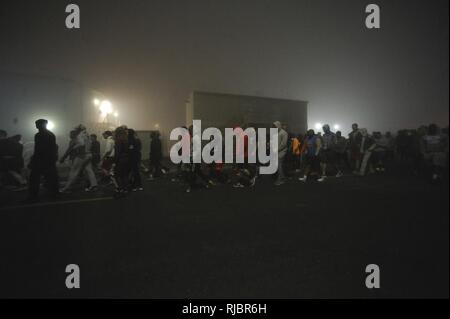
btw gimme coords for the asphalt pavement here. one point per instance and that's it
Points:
(297, 240)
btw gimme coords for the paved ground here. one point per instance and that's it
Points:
(294, 241)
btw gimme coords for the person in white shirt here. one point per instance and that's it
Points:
(108, 155)
(82, 160)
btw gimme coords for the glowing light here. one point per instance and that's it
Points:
(106, 107)
(96, 102)
(337, 127)
(116, 114)
(318, 126)
(50, 125)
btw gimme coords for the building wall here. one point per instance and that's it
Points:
(25, 98)
(226, 110)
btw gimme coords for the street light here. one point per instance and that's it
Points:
(50, 125)
(106, 107)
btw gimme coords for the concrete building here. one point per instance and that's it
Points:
(25, 98)
(228, 110)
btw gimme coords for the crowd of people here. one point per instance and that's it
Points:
(314, 156)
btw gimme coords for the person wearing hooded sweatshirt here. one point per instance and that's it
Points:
(282, 151)
(121, 161)
(81, 161)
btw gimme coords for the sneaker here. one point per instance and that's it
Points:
(211, 183)
(322, 179)
(303, 179)
(253, 181)
(339, 174)
(238, 185)
(279, 183)
(91, 189)
(188, 190)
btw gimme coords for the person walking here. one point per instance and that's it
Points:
(43, 162)
(282, 151)
(155, 156)
(326, 154)
(310, 150)
(82, 161)
(135, 149)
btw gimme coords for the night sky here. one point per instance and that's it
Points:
(147, 56)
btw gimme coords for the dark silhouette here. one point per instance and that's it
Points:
(135, 150)
(155, 155)
(43, 162)
(121, 161)
(95, 150)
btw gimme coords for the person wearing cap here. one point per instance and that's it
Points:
(43, 162)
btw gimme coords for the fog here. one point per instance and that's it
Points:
(147, 56)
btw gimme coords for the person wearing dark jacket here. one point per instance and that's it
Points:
(95, 150)
(155, 155)
(43, 162)
(135, 150)
(17, 162)
(121, 161)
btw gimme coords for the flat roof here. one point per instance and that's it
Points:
(248, 96)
